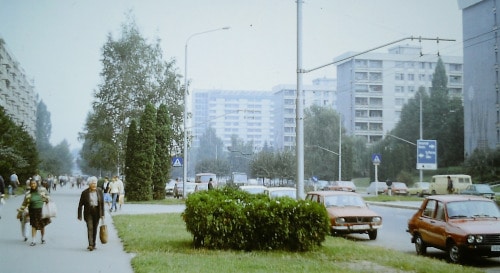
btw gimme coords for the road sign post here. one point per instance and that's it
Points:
(376, 159)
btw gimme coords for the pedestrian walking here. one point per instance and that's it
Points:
(107, 194)
(2, 193)
(14, 182)
(116, 187)
(91, 207)
(34, 201)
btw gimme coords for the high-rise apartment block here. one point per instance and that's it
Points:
(17, 95)
(373, 87)
(481, 38)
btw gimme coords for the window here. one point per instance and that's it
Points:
(361, 76)
(455, 79)
(421, 77)
(376, 101)
(422, 65)
(361, 63)
(361, 126)
(361, 88)
(440, 211)
(399, 76)
(361, 113)
(400, 101)
(375, 76)
(375, 88)
(411, 77)
(375, 64)
(399, 89)
(455, 67)
(429, 209)
(361, 101)
(376, 113)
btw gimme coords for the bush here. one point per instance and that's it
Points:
(232, 219)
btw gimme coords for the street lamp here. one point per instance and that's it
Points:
(184, 165)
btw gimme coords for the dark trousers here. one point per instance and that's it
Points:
(114, 196)
(92, 224)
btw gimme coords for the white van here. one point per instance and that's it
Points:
(439, 183)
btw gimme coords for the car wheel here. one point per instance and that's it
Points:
(420, 246)
(454, 253)
(372, 234)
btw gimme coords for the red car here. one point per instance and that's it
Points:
(348, 212)
(461, 225)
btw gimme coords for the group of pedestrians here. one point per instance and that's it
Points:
(91, 206)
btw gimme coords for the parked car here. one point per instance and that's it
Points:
(399, 188)
(253, 189)
(348, 212)
(169, 187)
(341, 186)
(461, 225)
(479, 190)
(381, 188)
(419, 189)
(274, 192)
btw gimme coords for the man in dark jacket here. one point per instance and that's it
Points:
(92, 204)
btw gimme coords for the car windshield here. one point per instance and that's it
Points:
(472, 209)
(343, 201)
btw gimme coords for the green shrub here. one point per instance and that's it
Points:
(232, 219)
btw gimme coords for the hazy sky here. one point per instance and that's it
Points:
(58, 42)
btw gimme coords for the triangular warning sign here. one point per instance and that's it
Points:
(376, 159)
(177, 163)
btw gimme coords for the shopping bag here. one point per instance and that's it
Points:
(103, 233)
(49, 210)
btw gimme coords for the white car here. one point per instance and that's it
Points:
(381, 188)
(274, 192)
(253, 189)
(169, 187)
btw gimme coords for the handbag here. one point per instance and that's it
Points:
(103, 233)
(49, 210)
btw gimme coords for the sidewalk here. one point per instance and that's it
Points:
(66, 239)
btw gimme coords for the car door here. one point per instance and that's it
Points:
(437, 227)
(428, 223)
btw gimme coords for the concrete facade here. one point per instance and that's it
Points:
(480, 20)
(17, 95)
(373, 88)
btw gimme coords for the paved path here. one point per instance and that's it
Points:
(65, 250)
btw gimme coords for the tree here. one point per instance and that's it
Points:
(133, 75)
(18, 150)
(321, 137)
(43, 128)
(140, 188)
(132, 180)
(162, 165)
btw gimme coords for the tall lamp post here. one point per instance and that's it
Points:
(184, 165)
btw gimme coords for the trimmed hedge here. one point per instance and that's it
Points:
(233, 219)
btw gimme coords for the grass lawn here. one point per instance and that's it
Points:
(162, 244)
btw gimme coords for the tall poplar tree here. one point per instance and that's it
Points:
(139, 186)
(161, 169)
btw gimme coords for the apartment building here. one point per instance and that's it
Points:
(373, 88)
(17, 95)
(480, 20)
(321, 92)
(246, 114)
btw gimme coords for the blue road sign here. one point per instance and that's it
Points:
(426, 155)
(376, 158)
(177, 162)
